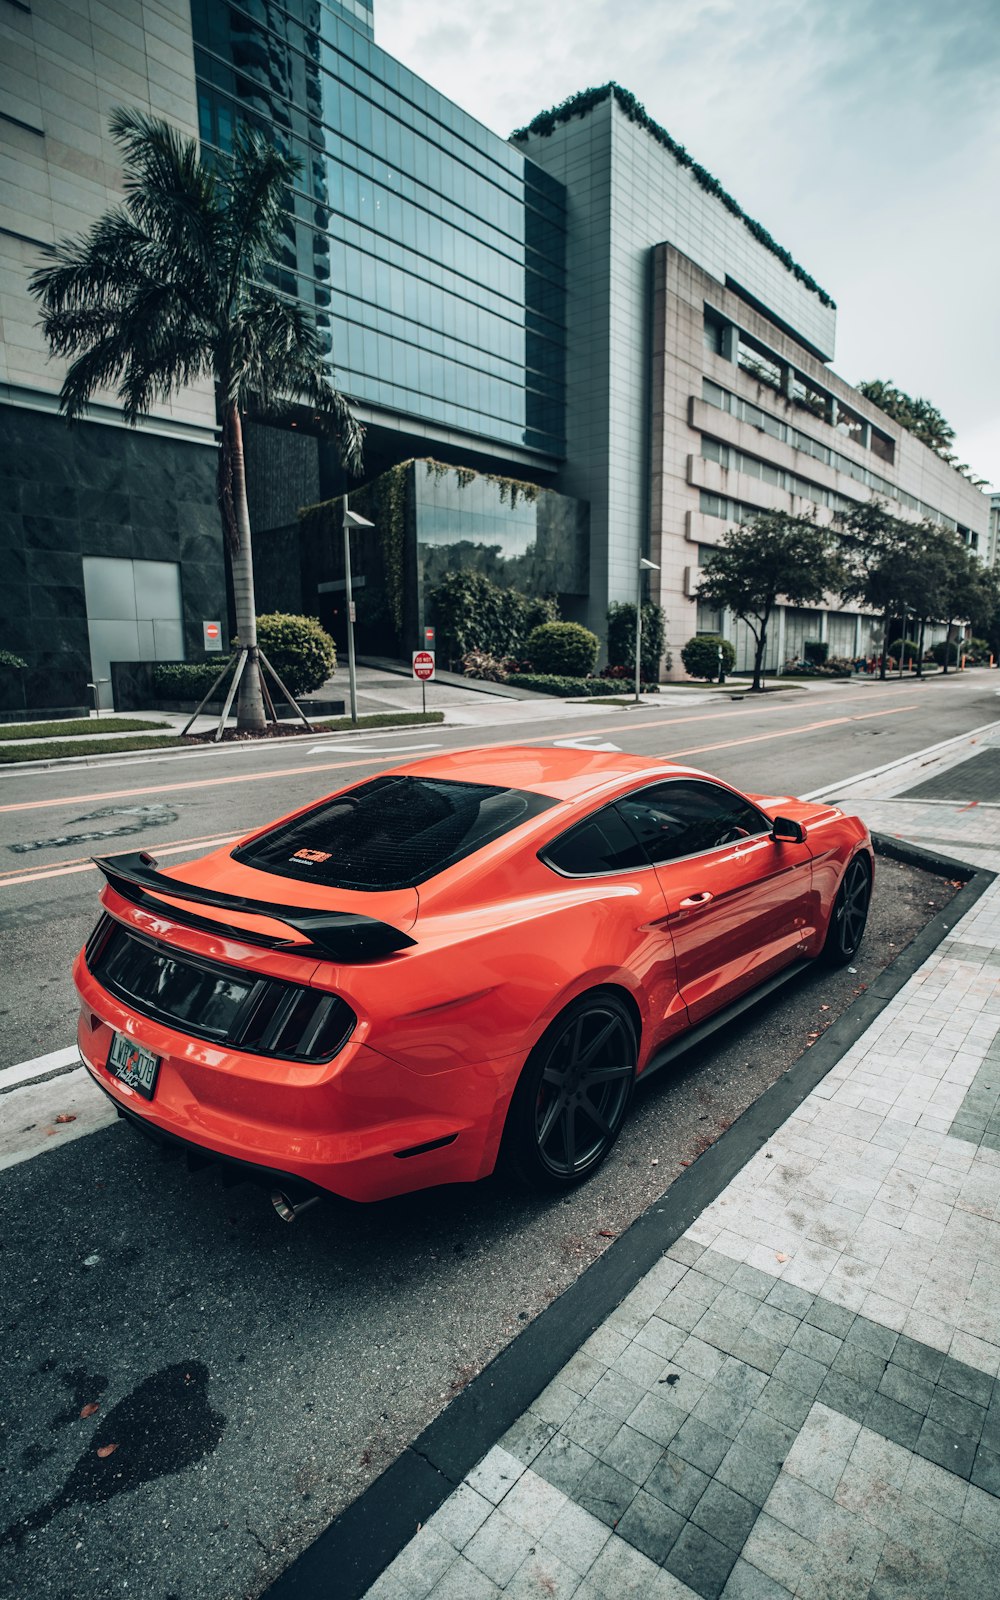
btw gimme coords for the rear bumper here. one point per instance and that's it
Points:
(360, 1126)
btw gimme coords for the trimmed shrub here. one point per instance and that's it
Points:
(621, 637)
(977, 651)
(187, 680)
(909, 647)
(701, 656)
(815, 651)
(836, 667)
(300, 651)
(940, 650)
(562, 648)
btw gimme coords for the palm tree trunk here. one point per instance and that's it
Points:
(920, 647)
(886, 624)
(250, 715)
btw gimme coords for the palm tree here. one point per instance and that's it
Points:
(168, 288)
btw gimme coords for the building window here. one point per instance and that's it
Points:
(714, 332)
(759, 363)
(883, 446)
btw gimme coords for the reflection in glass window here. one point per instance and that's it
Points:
(600, 845)
(687, 816)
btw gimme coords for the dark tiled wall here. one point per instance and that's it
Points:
(93, 490)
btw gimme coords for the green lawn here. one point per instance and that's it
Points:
(54, 749)
(78, 728)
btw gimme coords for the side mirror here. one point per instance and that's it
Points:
(785, 829)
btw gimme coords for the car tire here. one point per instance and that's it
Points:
(573, 1094)
(849, 915)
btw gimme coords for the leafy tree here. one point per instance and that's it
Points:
(769, 555)
(965, 590)
(880, 561)
(621, 637)
(169, 288)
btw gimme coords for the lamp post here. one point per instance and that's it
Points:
(352, 519)
(644, 566)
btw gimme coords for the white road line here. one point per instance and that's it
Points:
(839, 784)
(56, 1061)
(30, 1124)
(375, 749)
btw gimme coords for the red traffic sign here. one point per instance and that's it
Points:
(423, 665)
(428, 638)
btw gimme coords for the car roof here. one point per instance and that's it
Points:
(560, 773)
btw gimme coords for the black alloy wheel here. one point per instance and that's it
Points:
(850, 913)
(573, 1094)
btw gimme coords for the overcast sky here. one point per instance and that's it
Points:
(863, 134)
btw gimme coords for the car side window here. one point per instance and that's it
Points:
(600, 844)
(687, 816)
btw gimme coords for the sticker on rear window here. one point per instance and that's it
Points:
(311, 855)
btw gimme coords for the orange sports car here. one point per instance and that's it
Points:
(466, 959)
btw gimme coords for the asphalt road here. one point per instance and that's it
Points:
(256, 1377)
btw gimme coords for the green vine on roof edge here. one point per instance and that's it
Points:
(578, 105)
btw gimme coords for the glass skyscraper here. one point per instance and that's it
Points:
(432, 251)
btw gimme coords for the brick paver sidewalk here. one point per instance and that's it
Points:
(801, 1396)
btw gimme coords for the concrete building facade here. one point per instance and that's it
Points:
(109, 536)
(698, 382)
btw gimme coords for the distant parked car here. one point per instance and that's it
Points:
(467, 959)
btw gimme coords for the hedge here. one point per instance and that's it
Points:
(187, 680)
(555, 683)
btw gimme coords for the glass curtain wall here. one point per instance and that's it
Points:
(431, 251)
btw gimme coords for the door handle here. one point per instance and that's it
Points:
(700, 899)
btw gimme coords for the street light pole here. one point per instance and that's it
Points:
(644, 566)
(352, 519)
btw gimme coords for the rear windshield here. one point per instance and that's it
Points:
(390, 833)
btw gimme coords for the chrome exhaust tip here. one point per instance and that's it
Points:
(287, 1208)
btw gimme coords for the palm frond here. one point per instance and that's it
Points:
(166, 288)
(281, 360)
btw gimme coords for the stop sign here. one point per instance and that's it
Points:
(423, 665)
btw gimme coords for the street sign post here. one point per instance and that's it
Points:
(423, 671)
(212, 635)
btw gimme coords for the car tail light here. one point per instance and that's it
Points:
(264, 1016)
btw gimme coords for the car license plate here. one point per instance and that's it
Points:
(133, 1065)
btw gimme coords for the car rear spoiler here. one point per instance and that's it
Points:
(337, 935)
